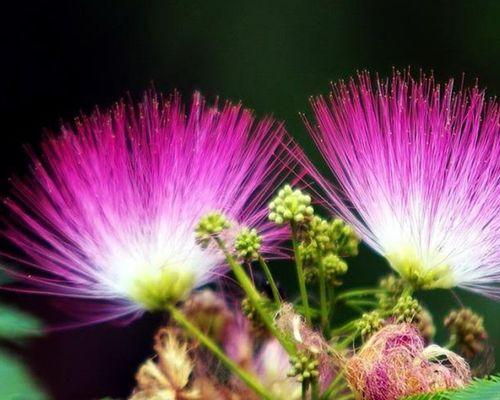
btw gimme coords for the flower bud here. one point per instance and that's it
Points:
(406, 309)
(467, 331)
(290, 206)
(247, 244)
(210, 226)
(369, 323)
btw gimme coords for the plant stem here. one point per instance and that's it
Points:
(300, 273)
(451, 343)
(348, 340)
(249, 379)
(304, 391)
(270, 279)
(256, 299)
(347, 327)
(322, 297)
(358, 293)
(314, 390)
(371, 303)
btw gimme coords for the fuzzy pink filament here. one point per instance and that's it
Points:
(119, 193)
(416, 170)
(394, 364)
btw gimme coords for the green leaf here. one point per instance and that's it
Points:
(16, 382)
(430, 396)
(16, 325)
(479, 389)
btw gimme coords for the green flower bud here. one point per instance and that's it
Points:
(406, 309)
(247, 244)
(304, 367)
(369, 323)
(210, 225)
(343, 238)
(393, 288)
(333, 267)
(290, 206)
(253, 316)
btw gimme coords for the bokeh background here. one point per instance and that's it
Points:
(60, 58)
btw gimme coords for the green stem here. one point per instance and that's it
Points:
(347, 327)
(322, 297)
(348, 396)
(371, 303)
(358, 293)
(314, 390)
(300, 273)
(256, 299)
(249, 379)
(348, 340)
(304, 391)
(270, 279)
(451, 343)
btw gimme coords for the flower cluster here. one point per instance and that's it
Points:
(138, 207)
(395, 363)
(110, 211)
(417, 167)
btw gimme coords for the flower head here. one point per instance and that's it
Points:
(290, 205)
(394, 363)
(111, 207)
(417, 167)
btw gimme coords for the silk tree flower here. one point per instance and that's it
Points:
(417, 173)
(110, 208)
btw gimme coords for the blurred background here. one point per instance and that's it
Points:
(60, 58)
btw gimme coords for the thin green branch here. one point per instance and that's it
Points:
(250, 380)
(270, 279)
(300, 273)
(322, 297)
(256, 299)
(359, 293)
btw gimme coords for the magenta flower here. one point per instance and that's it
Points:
(417, 173)
(109, 210)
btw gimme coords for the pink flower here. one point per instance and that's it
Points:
(110, 208)
(417, 172)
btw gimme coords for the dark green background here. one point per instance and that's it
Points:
(61, 57)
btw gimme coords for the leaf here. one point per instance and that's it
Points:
(479, 389)
(16, 325)
(17, 384)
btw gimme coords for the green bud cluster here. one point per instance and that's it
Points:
(369, 323)
(318, 234)
(324, 243)
(250, 312)
(406, 309)
(333, 267)
(393, 287)
(290, 206)
(344, 238)
(467, 331)
(247, 244)
(304, 368)
(322, 236)
(210, 226)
